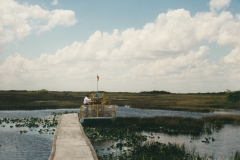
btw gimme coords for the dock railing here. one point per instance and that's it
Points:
(97, 111)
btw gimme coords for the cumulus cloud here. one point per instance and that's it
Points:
(19, 20)
(177, 64)
(54, 2)
(163, 55)
(58, 17)
(233, 57)
(219, 4)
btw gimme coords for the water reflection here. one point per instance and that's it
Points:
(225, 144)
(134, 112)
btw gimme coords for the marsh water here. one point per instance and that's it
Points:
(32, 145)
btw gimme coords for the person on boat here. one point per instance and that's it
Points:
(86, 100)
(97, 98)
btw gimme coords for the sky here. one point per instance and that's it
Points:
(179, 46)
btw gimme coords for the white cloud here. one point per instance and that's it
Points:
(58, 17)
(173, 65)
(19, 20)
(233, 57)
(54, 2)
(228, 33)
(161, 56)
(219, 4)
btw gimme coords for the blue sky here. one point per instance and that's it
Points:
(175, 45)
(93, 15)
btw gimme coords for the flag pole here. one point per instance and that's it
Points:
(97, 82)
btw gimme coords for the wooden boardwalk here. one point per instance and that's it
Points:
(70, 141)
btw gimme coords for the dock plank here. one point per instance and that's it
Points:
(70, 141)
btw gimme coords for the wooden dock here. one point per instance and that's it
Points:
(70, 141)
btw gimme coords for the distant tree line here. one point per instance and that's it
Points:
(154, 91)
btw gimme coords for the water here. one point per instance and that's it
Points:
(32, 145)
(133, 112)
(33, 113)
(26, 146)
(17, 146)
(226, 142)
(121, 112)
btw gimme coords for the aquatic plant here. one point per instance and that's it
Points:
(31, 122)
(23, 131)
(217, 122)
(165, 124)
(149, 151)
(45, 125)
(236, 155)
(130, 144)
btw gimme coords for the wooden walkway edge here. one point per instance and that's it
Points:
(70, 141)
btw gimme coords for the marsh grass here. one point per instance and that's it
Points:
(223, 119)
(217, 122)
(205, 102)
(130, 144)
(152, 151)
(53, 100)
(236, 155)
(166, 124)
(32, 100)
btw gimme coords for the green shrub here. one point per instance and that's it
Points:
(42, 91)
(233, 96)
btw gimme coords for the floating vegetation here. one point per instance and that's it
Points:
(31, 123)
(208, 140)
(23, 131)
(46, 125)
(60, 113)
(46, 131)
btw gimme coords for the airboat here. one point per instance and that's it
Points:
(100, 108)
